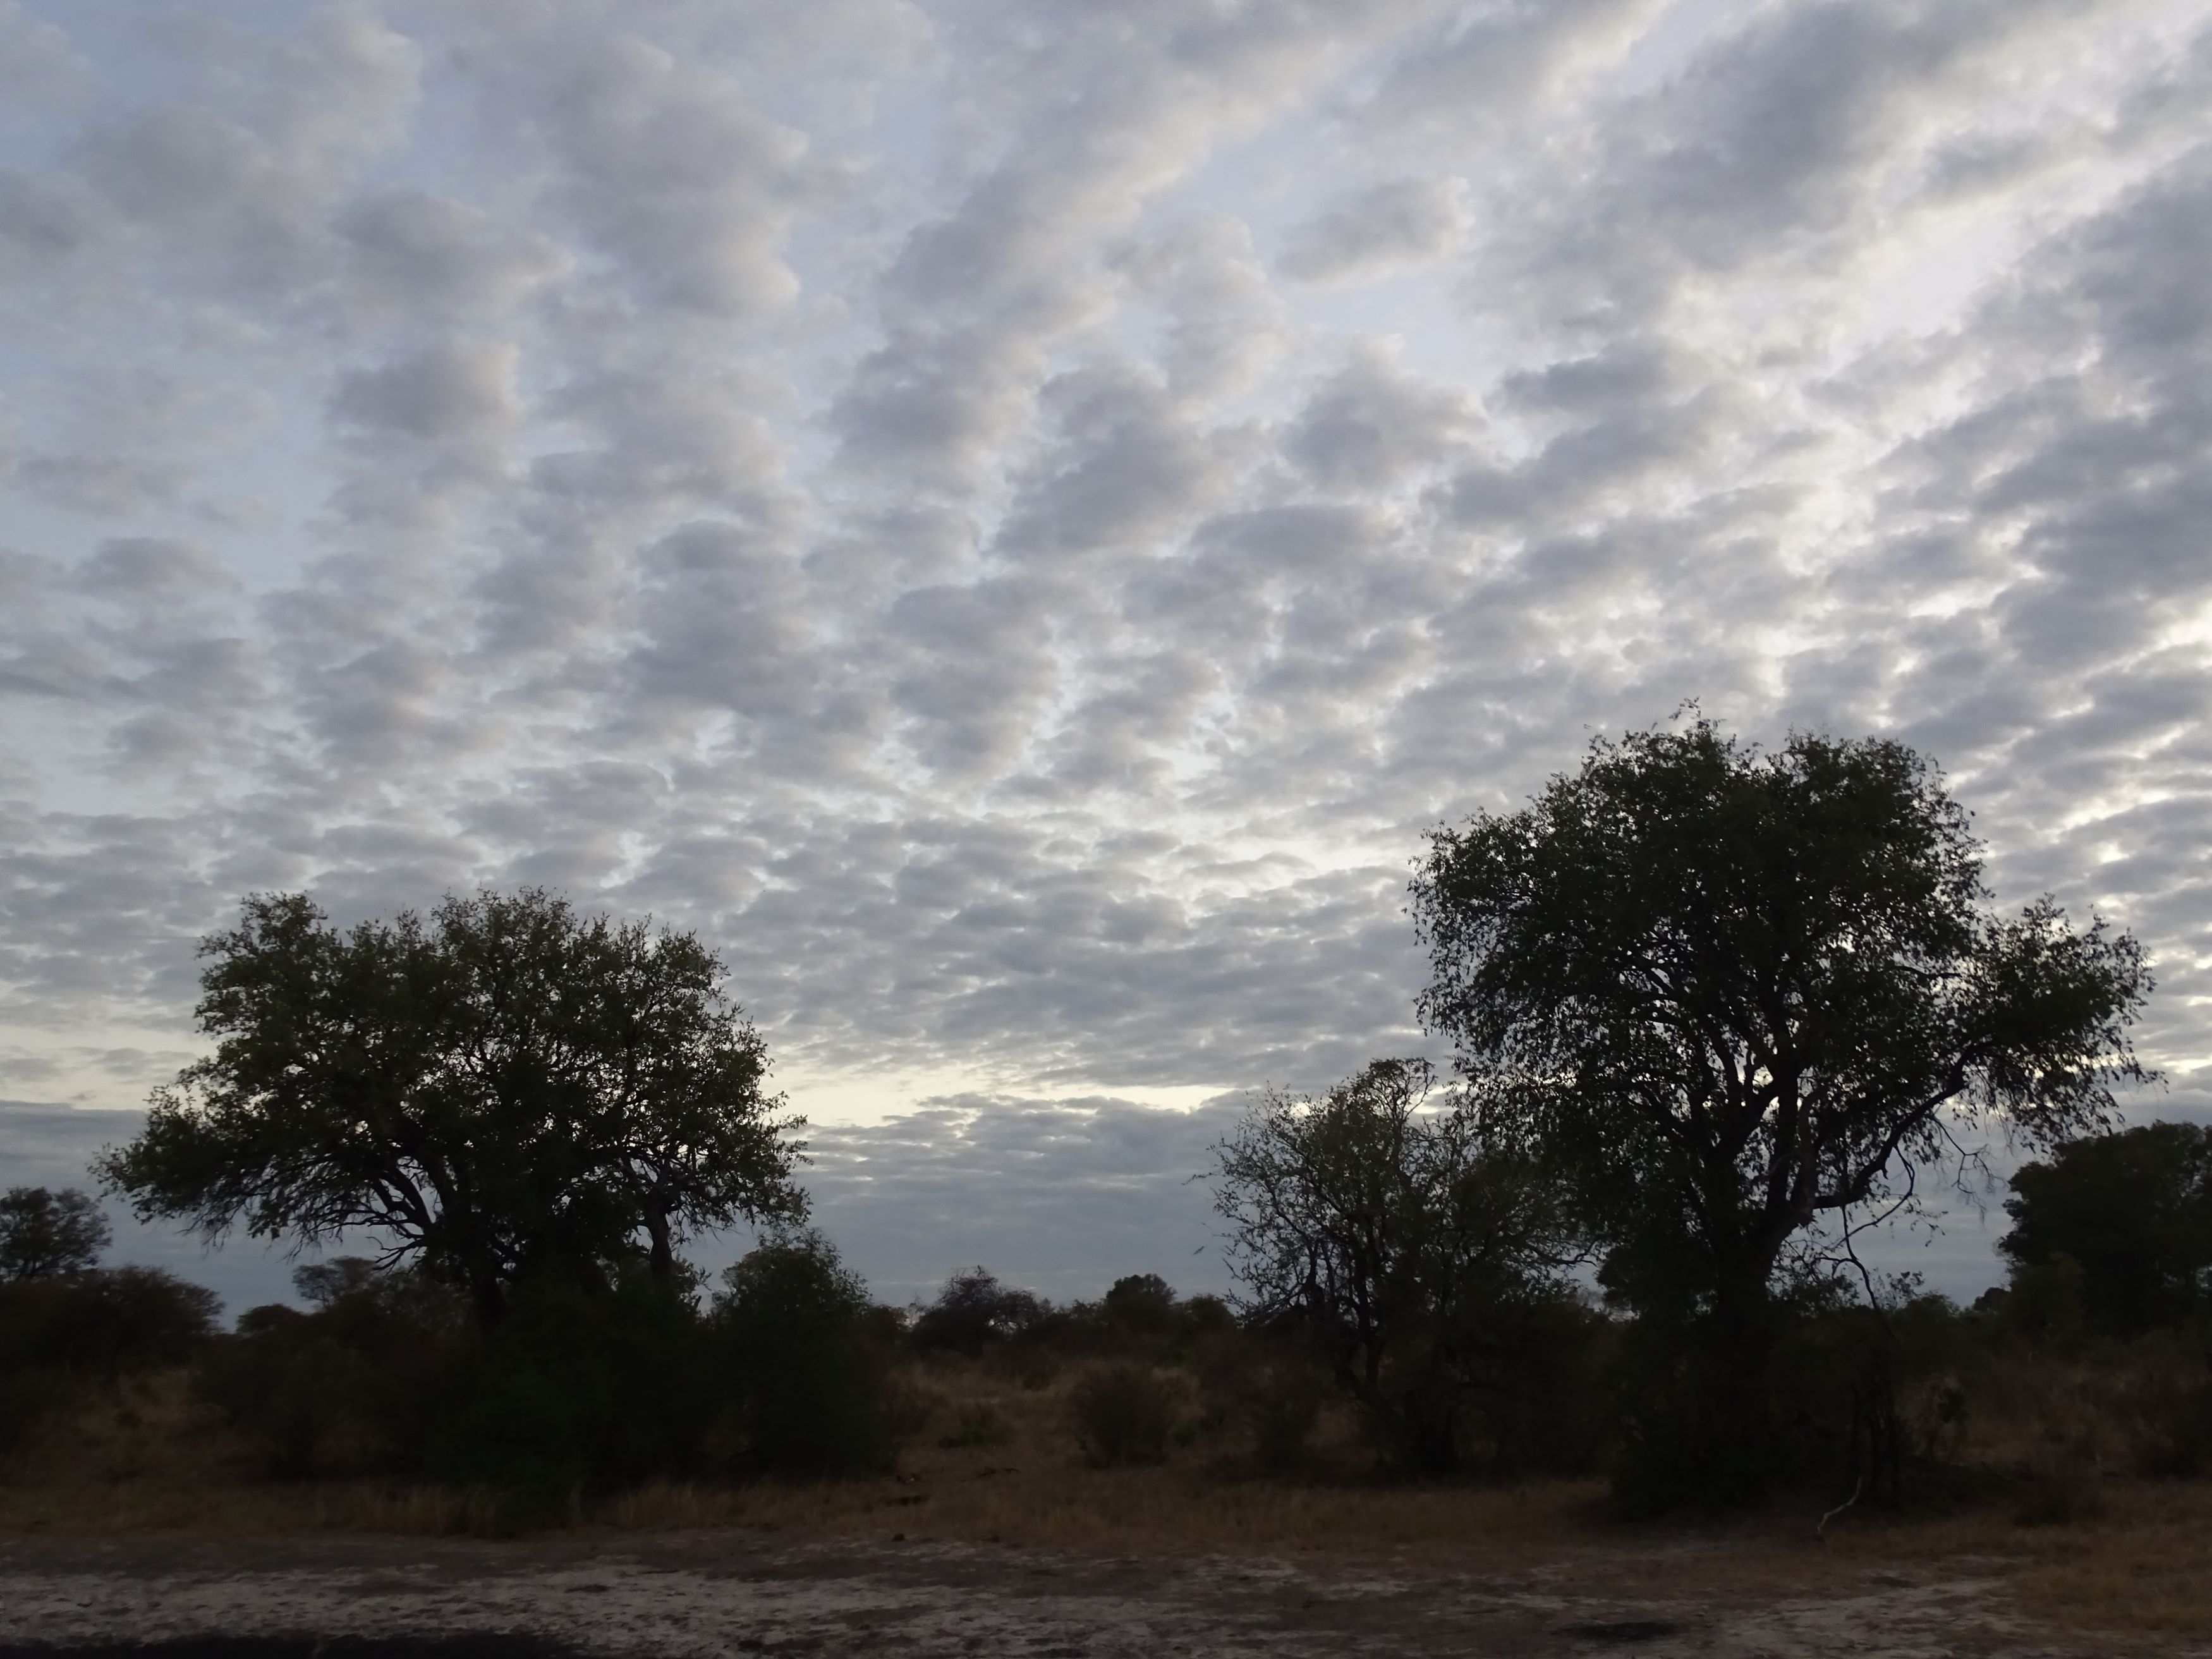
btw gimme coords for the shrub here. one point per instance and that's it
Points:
(2150, 1404)
(577, 1389)
(973, 1312)
(57, 1332)
(103, 1323)
(1269, 1393)
(349, 1389)
(2061, 1487)
(979, 1423)
(804, 1360)
(1142, 1305)
(1208, 1315)
(1123, 1413)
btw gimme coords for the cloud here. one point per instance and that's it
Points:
(1374, 230)
(1371, 423)
(409, 253)
(671, 170)
(451, 394)
(1013, 524)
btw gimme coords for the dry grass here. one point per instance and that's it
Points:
(144, 1460)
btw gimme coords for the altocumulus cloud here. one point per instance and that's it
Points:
(1010, 520)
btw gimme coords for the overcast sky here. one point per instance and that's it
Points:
(1011, 519)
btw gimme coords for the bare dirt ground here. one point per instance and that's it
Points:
(723, 1593)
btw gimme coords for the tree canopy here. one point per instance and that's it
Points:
(1730, 992)
(1402, 1241)
(2133, 1212)
(506, 1089)
(46, 1235)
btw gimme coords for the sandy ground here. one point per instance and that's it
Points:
(727, 1593)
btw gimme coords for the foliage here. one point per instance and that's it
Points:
(804, 1357)
(103, 1323)
(978, 1422)
(1123, 1413)
(1415, 1253)
(509, 1091)
(579, 1389)
(348, 1387)
(45, 1235)
(1141, 1305)
(1268, 1389)
(2131, 1213)
(974, 1312)
(1728, 991)
(93, 1326)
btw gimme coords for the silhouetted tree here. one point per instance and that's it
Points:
(2133, 1212)
(510, 1089)
(1411, 1250)
(1732, 991)
(44, 1234)
(1141, 1304)
(975, 1310)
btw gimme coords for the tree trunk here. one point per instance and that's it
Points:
(1737, 1440)
(664, 1245)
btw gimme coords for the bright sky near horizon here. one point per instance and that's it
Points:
(1011, 518)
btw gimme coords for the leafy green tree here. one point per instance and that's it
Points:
(48, 1234)
(1729, 992)
(2132, 1211)
(507, 1091)
(1411, 1250)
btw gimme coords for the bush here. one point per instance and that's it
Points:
(979, 1423)
(103, 1323)
(2175, 1412)
(578, 1389)
(2061, 1487)
(1269, 1393)
(975, 1311)
(348, 1388)
(28, 1399)
(58, 1332)
(1539, 1407)
(1123, 1413)
(805, 1360)
(1142, 1305)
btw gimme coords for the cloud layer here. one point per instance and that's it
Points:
(1011, 519)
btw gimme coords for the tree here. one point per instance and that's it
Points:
(2133, 1212)
(1409, 1249)
(46, 1235)
(1140, 1305)
(510, 1090)
(975, 1310)
(1730, 992)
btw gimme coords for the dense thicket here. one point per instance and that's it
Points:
(577, 1389)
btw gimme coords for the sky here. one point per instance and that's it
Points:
(1013, 519)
